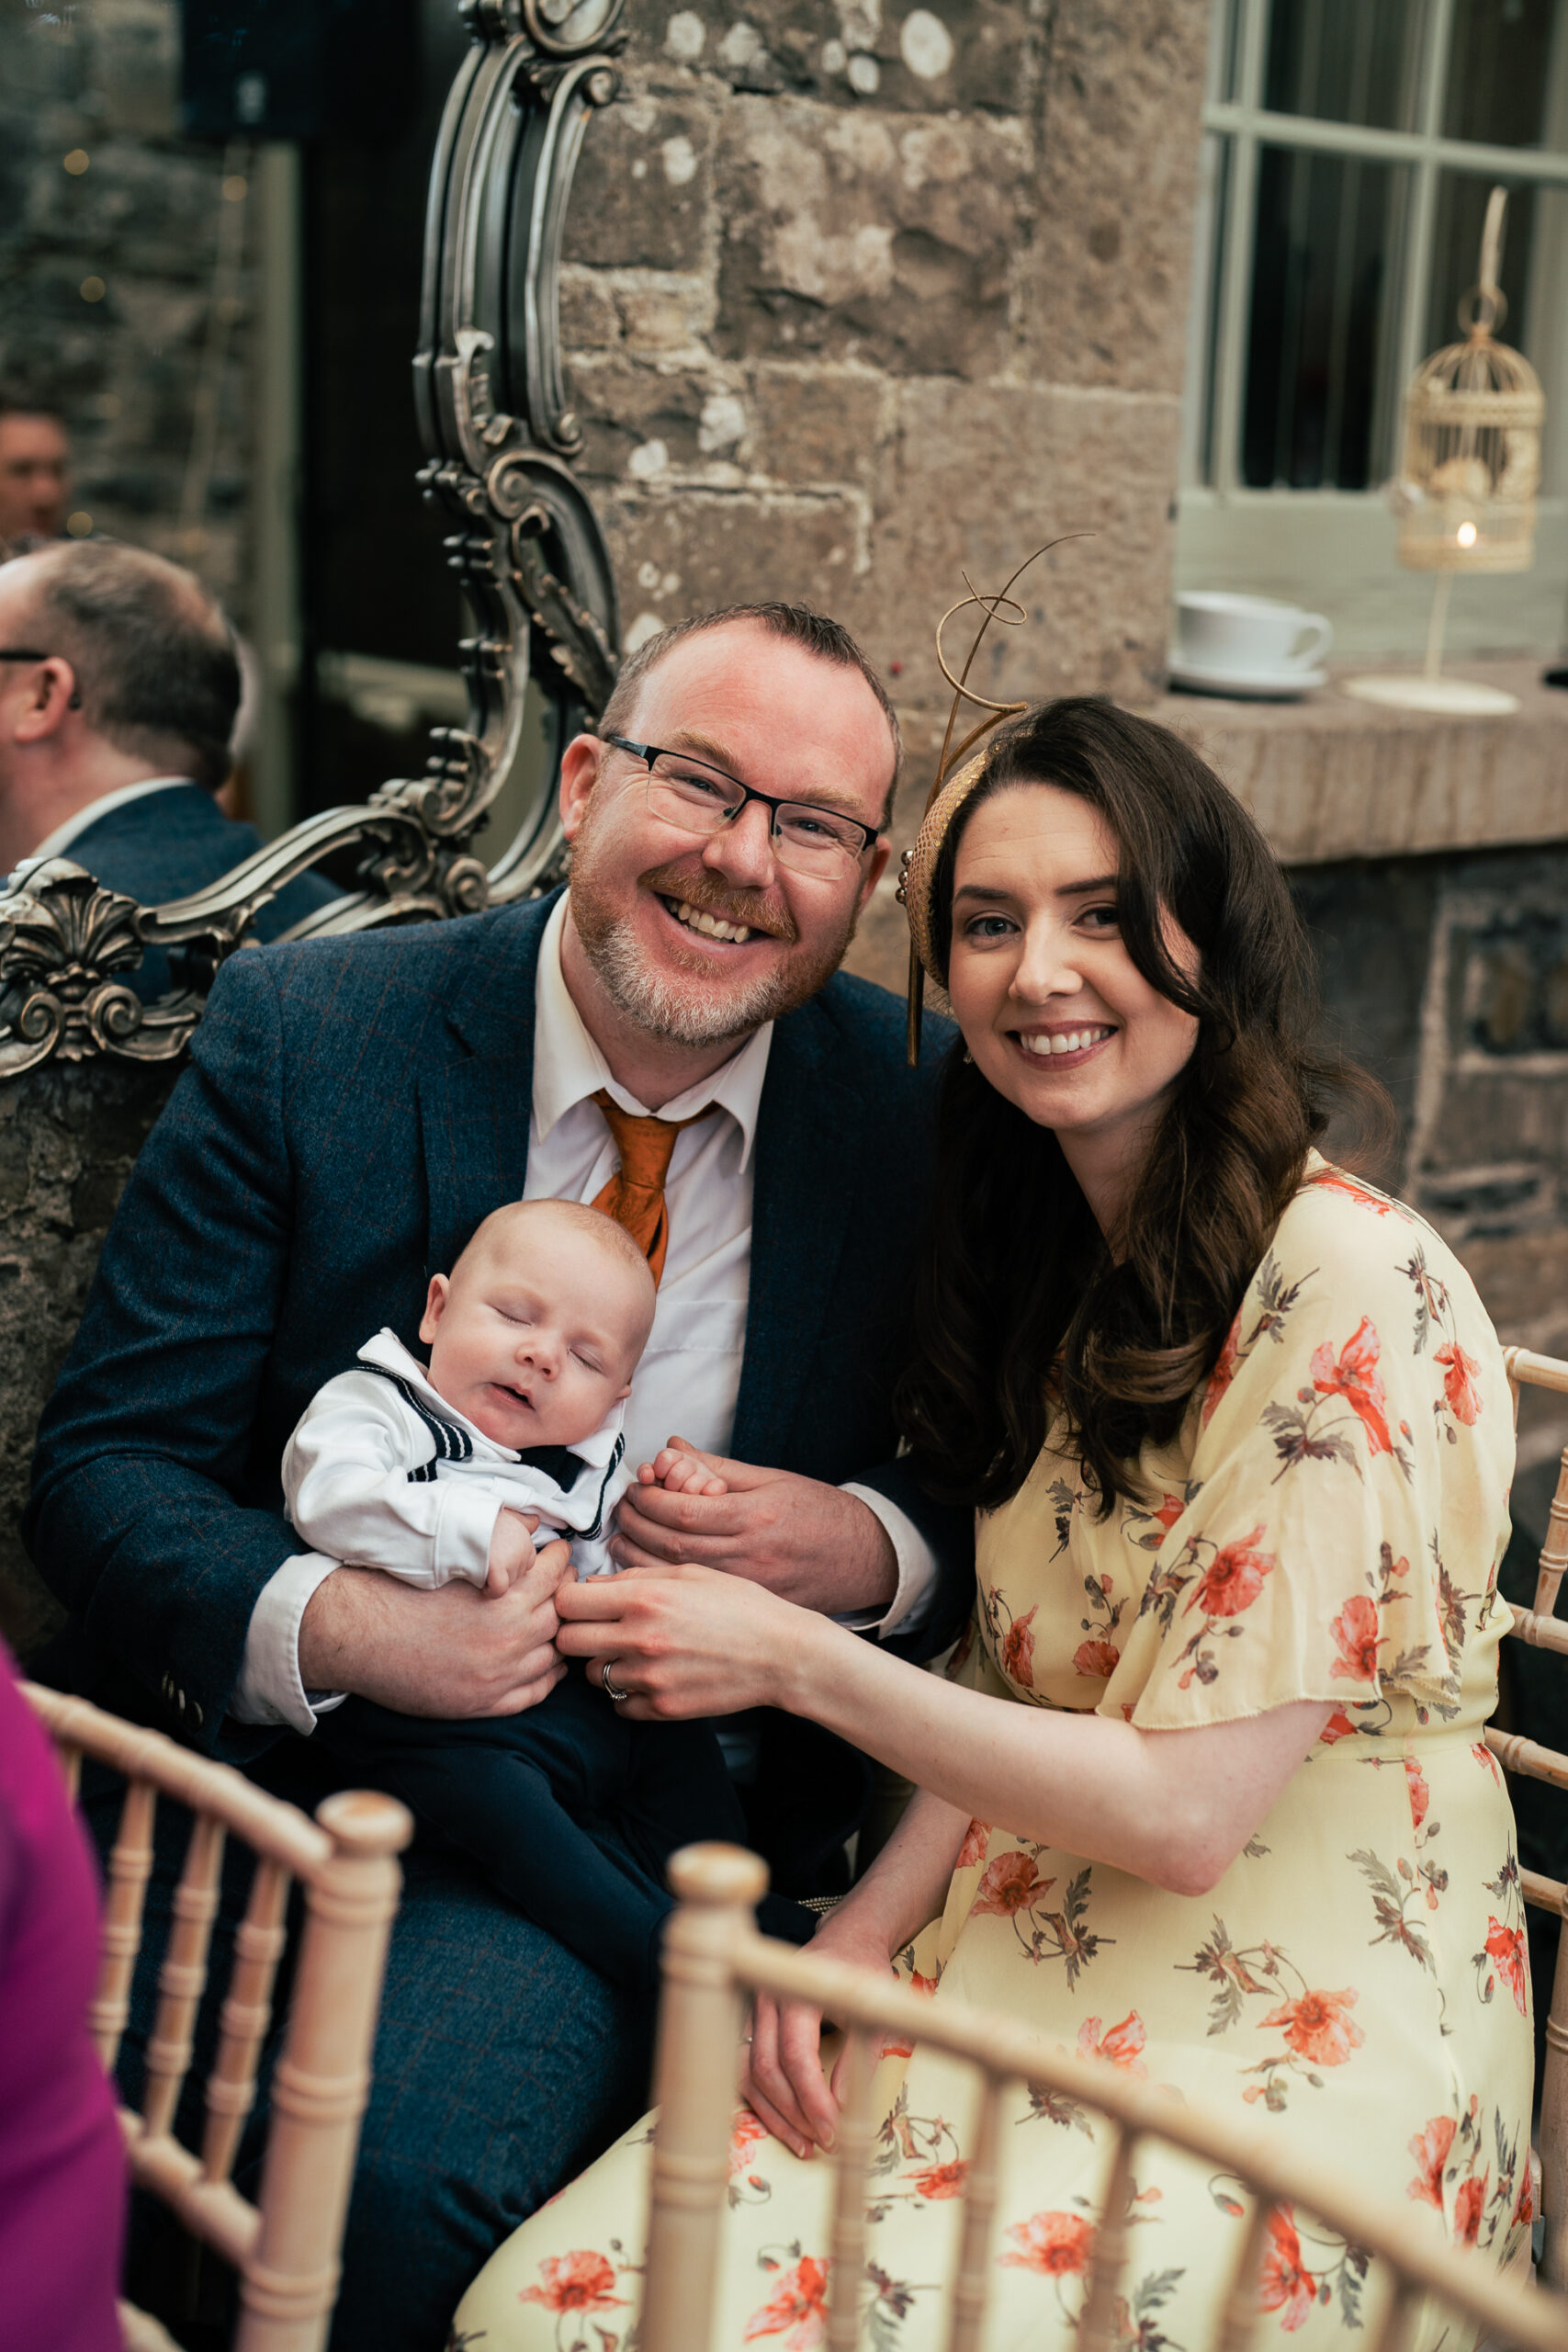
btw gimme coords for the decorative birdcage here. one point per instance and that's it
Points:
(1465, 494)
(1472, 465)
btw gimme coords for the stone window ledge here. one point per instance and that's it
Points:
(1330, 777)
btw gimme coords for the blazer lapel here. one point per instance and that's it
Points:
(475, 1107)
(807, 1149)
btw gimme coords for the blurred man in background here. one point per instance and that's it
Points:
(118, 690)
(35, 461)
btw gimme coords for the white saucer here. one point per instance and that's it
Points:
(1245, 685)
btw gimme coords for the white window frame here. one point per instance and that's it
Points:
(1326, 546)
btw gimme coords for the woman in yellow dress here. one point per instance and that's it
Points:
(1204, 1794)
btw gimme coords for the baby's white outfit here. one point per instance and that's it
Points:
(383, 1473)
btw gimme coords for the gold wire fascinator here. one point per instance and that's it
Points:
(954, 782)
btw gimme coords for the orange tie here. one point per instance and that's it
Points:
(635, 1193)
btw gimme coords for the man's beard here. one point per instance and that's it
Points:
(697, 1012)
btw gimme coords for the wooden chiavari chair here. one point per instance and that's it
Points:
(285, 2247)
(1543, 1631)
(714, 1959)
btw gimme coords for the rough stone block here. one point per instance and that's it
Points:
(976, 479)
(641, 421)
(689, 551)
(1108, 274)
(880, 238)
(958, 53)
(640, 194)
(817, 424)
(67, 1141)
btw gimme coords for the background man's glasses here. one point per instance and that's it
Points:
(26, 653)
(700, 799)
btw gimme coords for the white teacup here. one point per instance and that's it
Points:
(1216, 630)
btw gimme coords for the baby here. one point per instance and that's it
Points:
(515, 1431)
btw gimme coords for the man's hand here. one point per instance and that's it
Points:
(810, 1542)
(450, 1653)
(512, 1553)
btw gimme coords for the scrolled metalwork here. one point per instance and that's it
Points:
(499, 435)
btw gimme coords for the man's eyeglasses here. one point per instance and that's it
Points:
(26, 653)
(700, 799)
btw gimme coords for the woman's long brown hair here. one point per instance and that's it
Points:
(1020, 1307)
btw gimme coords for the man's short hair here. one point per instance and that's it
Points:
(153, 656)
(798, 625)
(17, 400)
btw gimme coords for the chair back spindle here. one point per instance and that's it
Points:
(715, 1958)
(286, 2246)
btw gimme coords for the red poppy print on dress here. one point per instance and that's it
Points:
(1170, 1509)
(1354, 1375)
(975, 1839)
(1286, 2286)
(1430, 2150)
(1337, 1182)
(1097, 1661)
(798, 2311)
(1018, 1649)
(744, 2135)
(1459, 1383)
(1233, 1580)
(1124, 2045)
(1420, 1793)
(1056, 2244)
(1339, 1726)
(1010, 1884)
(1469, 2208)
(1358, 1641)
(575, 2282)
(1507, 1950)
(1317, 2028)
(943, 2180)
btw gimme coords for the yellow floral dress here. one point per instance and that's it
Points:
(1326, 1525)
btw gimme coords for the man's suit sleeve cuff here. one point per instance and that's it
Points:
(269, 1690)
(916, 1571)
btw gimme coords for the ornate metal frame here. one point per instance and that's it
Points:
(527, 546)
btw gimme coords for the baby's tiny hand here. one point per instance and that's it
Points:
(511, 1550)
(681, 1473)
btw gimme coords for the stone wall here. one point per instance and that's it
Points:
(67, 1141)
(854, 302)
(107, 272)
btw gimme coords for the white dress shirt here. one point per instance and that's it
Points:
(689, 1379)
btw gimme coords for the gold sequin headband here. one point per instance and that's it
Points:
(953, 784)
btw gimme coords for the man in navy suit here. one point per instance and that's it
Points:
(118, 690)
(353, 1109)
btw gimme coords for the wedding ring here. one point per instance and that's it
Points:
(612, 1690)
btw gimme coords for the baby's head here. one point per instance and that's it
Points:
(537, 1330)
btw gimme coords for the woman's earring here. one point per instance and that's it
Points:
(968, 1057)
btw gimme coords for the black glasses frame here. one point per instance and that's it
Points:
(648, 752)
(26, 653)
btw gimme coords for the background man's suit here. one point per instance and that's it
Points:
(353, 1110)
(173, 843)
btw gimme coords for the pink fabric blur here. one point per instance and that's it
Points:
(62, 2180)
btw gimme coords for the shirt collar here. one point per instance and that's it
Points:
(568, 1067)
(65, 834)
(386, 1352)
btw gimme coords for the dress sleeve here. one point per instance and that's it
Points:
(1346, 1503)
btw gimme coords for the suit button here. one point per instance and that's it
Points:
(168, 1686)
(195, 1711)
(180, 1700)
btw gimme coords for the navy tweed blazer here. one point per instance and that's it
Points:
(353, 1107)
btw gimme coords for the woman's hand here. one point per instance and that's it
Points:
(687, 1641)
(782, 2079)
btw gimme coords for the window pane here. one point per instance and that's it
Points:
(1499, 57)
(1320, 401)
(1346, 60)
